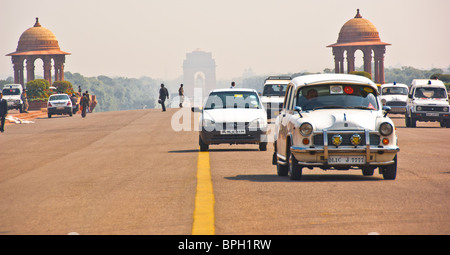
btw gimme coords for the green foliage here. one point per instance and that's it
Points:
(362, 73)
(63, 87)
(406, 74)
(38, 89)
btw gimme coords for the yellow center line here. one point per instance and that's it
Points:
(204, 199)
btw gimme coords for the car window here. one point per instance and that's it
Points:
(394, 91)
(232, 99)
(337, 96)
(430, 93)
(275, 90)
(11, 92)
(58, 97)
(287, 98)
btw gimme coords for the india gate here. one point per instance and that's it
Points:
(38, 42)
(360, 34)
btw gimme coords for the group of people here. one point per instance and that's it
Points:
(164, 94)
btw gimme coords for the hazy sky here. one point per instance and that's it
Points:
(137, 38)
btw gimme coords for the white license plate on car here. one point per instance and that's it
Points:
(60, 108)
(232, 132)
(346, 160)
(432, 114)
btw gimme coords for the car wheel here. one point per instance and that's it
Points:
(295, 170)
(203, 146)
(407, 121)
(263, 146)
(447, 123)
(368, 171)
(390, 171)
(49, 115)
(70, 113)
(412, 122)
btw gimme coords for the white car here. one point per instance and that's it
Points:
(337, 122)
(232, 116)
(427, 101)
(12, 93)
(273, 94)
(59, 104)
(395, 96)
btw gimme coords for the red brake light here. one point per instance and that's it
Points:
(49, 104)
(69, 103)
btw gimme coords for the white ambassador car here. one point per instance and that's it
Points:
(337, 122)
(232, 116)
(394, 95)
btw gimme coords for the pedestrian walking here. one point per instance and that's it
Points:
(3, 112)
(181, 95)
(84, 105)
(163, 94)
(88, 101)
(79, 91)
(25, 101)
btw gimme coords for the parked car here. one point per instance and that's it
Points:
(232, 116)
(12, 93)
(273, 94)
(395, 96)
(427, 101)
(59, 104)
(337, 122)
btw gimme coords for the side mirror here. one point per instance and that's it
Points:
(386, 110)
(196, 109)
(299, 110)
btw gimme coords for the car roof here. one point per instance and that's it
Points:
(426, 82)
(233, 90)
(393, 85)
(59, 94)
(317, 79)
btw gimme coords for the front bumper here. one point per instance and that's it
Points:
(217, 137)
(430, 116)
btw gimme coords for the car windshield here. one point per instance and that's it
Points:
(337, 96)
(275, 90)
(11, 92)
(231, 99)
(425, 92)
(394, 91)
(58, 97)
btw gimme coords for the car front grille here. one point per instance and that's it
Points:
(346, 139)
(396, 103)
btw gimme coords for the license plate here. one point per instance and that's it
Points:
(60, 108)
(346, 160)
(232, 132)
(432, 114)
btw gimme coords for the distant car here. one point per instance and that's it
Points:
(334, 122)
(394, 95)
(273, 94)
(427, 101)
(59, 104)
(232, 116)
(12, 93)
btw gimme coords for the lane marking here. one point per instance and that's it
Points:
(204, 199)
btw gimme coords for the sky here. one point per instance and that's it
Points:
(151, 38)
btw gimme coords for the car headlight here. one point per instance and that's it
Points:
(208, 125)
(386, 129)
(257, 123)
(306, 129)
(419, 108)
(445, 109)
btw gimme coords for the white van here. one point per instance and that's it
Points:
(13, 94)
(273, 94)
(427, 101)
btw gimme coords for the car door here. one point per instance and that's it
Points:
(283, 122)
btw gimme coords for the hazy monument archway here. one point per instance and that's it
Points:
(360, 34)
(38, 42)
(199, 71)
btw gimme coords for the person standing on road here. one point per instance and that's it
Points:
(163, 94)
(84, 105)
(25, 101)
(181, 95)
(88, 97)
(3, 112)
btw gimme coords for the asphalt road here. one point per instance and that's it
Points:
(129, 172)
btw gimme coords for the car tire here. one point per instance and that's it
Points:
(390, 171)
(203, 146)
(70, 113)
(49, 115)
(368, 171)
(263, 146)
(295, 170)
(407, 121)
(447, 123)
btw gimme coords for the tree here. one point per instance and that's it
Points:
(63, 87)
(362, 73)
(38, 89)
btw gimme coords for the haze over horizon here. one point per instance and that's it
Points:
(151, 38)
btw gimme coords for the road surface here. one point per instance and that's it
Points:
(130, 172)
